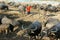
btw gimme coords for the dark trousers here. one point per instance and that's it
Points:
(28, 12)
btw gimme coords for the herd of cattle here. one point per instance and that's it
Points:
(35, 28)
(45, 7)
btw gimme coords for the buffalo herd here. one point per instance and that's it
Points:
(50, 8)
(45, 7)
(35, 28)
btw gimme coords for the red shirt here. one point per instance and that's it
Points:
(28, 8)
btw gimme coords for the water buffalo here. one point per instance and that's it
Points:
(6, 20)
(51, 21)
(58, 7)
(11, 3)
(10, 28)
(0, 19)
(56, 30)
(35, 6)
(10, 22)
(34, 29)
(41, 7)
(50, 30)
(3, 6)
(51, 8)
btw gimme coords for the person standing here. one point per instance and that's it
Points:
(20, 8)
(28, 8)
(24, 9)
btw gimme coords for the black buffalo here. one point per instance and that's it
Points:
(41, 7)
(48, 30)
(3, 6)
(34, 29)
(51, 8)
(11, 27)
(54, 31)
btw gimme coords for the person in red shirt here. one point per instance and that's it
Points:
(28, 8)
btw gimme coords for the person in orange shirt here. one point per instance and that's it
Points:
(28, 8)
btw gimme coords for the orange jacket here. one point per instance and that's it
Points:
(28, 8)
